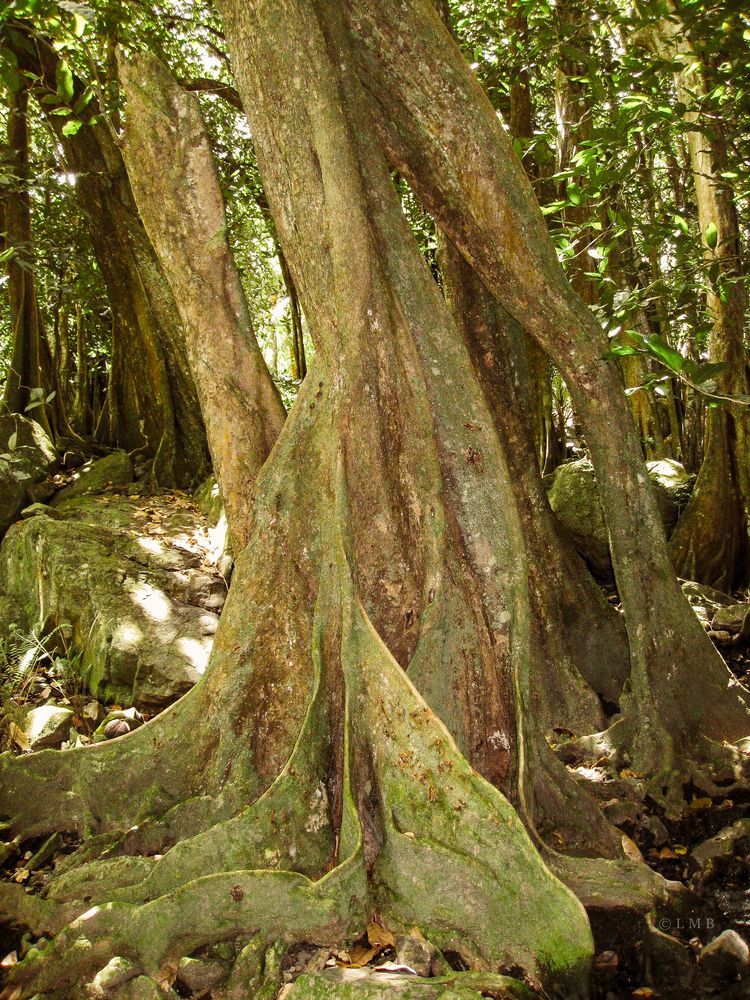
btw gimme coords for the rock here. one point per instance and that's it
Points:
(124, 593)
(142, 988)
(704, 600)
(40, 492)
(654, 826)
(94, 477)
(574, 498)
(669, 963)
(23, 467)
(619, 812)
(732, 618)
(415, 953)
(201, 974)
(118, 971)
(672, 487)
(38, 508)
(11, 615)
(209, 501)
(31, 438)
(47, 726)
(723, 844)
(725, 958)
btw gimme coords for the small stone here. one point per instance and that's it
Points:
(726, 957)
(117, 971)
(416, 953)
(201, 974)
(115, 728)
(722, 845)
(654, 826)
(39, 492)
(47, 726)
(618, 812)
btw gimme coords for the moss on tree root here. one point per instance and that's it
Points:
(430, 843)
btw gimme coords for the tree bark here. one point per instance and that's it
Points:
(305, 784)
(449, 144)
(176, 186)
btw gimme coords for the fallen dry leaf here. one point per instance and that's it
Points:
(19, 737)
(379, 936)
(630, 849)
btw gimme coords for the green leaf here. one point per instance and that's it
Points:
(659, 349)
(12, 441)
(71, 127)
(573, 193)
(619, 351)
(682, 224)
(711, 235)
(707, 372)
(64, 81)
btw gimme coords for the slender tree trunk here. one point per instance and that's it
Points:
(177, 189)
(83, 415)
(25, 371)
(550, 448)
(298, 360)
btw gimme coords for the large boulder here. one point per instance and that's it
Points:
(575, 500)
(672, 487)
(27, 457)
(97, 476)
(129, 578)
(574, 497)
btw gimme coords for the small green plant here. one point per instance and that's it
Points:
(31, 660)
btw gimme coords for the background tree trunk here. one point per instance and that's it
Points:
(152, 398)
(712, 540)
(25, 372)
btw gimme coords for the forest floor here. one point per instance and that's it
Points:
(707, 849)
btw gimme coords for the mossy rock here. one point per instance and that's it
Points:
(112, 471)
(209, 501)
(574, 497)
(126, 596)
(28, 459)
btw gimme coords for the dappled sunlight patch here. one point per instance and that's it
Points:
(197, 651)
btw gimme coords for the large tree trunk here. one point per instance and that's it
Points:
(152, 400)
(446, 139)
(305, 783)
(176, 186)
(25, 371)
(384, 550)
